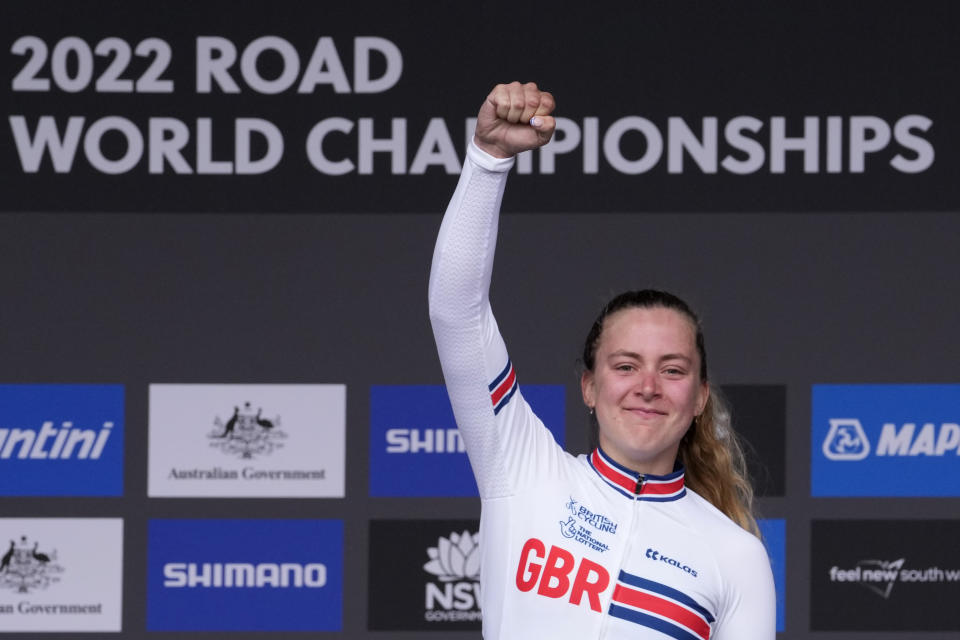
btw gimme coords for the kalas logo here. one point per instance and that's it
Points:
(847, 440)
(23, 567)
(247, 433)
(455, 562)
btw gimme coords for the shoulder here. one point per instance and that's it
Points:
(732, 543)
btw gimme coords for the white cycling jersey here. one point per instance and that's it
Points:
(573, 547)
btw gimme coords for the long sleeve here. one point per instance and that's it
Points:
(496, 424)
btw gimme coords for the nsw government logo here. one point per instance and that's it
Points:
(230, 440)
(424, 575)
(455, 593)
(61, 440)
(886, 440)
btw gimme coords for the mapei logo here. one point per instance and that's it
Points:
(885, 440)
(846, 440)
(246, 434)
(61, 439)
(25, 568)
(455, 563)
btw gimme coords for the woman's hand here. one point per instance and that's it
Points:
(515, 117)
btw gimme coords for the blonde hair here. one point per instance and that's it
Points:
(716, 467)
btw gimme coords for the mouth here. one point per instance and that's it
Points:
(646, 411)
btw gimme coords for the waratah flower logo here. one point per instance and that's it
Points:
(456, 558)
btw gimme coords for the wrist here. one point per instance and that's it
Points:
(491, 149)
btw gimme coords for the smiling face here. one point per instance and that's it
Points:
(645, 386)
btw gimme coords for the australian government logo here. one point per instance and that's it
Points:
(246, 434)
(582, 525)
(247, 440)
(880, 576)
(453, 595)
(28, 568)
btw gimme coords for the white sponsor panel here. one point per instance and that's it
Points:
(247, 440)
(61, 574)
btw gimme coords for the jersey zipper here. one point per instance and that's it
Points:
(634, 523)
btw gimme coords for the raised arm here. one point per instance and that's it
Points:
(474, 359)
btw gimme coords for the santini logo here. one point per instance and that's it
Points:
(847, 440)
(50, 443)
(241, 574)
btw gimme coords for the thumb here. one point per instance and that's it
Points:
(544, 126)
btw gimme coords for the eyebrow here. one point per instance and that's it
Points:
(620, 353)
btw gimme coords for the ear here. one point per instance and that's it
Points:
(588, 389)
(703, 396)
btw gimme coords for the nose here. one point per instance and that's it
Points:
(648, 385)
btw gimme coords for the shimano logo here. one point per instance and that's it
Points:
(51, 443)
(653, 554)
(241, 574)
(424, 441)
(847, 440)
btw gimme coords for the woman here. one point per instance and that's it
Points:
(615, 544)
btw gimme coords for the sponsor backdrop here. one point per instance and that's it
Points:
(220, 406)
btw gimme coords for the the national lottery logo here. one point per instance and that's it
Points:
(582, 523)
(846, 440)
(246, 433)
(27, 567)
(455, 562)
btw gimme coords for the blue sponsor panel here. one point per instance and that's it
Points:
(245, 575)
(61, 440)
(415, 448)
(885, 440)
(774, 532)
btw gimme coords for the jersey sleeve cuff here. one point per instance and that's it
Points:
(484, 160)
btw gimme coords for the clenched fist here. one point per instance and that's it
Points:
(515, 117)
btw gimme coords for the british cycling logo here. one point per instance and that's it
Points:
(455, 563)
(846, 440)
(880, 576)
(24, 568)
(246, 434)
(572, 529)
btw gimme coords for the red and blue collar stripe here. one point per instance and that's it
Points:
(635, 485)
(657, 606)
(503, 387)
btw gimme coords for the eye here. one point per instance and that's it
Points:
(674, 372)
(624, 366)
